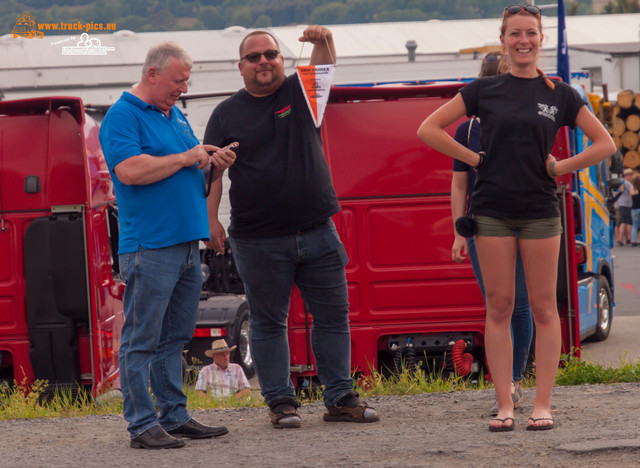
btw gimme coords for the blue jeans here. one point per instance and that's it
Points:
(313, 260)
(521, 321)
(160, 308)
(635, 218)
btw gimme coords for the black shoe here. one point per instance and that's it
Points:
(156, 438)
(194, 430)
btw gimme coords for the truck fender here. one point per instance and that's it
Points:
(230, 311)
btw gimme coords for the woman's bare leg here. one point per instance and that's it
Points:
(497, 258)
(540, 261)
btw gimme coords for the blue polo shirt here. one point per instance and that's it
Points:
(167, 212)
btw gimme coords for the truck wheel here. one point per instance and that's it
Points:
(242, 354)
(604, 310)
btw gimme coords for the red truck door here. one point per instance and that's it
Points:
(51, 205)
(396, 226)
(404, 290)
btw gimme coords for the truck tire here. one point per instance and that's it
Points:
(604, 310)
(242, 354)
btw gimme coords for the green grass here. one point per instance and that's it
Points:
(412, 382)
(576, 372)
(19, 402)
(16, 403)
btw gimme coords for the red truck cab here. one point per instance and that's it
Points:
(409, 301)
(60, 293)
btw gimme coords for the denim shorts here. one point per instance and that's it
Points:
(541, 228)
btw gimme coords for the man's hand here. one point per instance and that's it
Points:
(316, 35)
(324, 52)
(218, 236)
(223, 158)
(197, 155)
(459, 249)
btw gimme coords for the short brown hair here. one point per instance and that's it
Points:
(255, 33)
(494, 64)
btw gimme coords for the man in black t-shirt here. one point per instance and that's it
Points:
(281, 233)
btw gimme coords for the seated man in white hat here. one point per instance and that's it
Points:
(222, 378)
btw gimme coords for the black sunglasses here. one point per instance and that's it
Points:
(492, 58)
(254, 57)
(513, 9)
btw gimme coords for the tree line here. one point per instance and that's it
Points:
(171, 15)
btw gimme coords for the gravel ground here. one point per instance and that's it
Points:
(598, 425)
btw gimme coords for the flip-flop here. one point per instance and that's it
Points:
(502, 428)
(535, 427)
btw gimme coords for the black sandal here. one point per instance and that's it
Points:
(546, 427)
(502, 428)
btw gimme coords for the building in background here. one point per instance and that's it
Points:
(607, 46)
(603, 50)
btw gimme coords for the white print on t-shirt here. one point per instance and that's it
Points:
(546, 111)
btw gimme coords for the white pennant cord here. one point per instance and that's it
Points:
(333, 60)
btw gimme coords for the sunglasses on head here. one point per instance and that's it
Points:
(492, 58)
(254, 57)
(513, 9)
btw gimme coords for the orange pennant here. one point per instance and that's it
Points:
(315, 81)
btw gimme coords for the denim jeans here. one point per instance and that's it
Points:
(313, 260)
(160, 308)
(635, 218)
(521, 320)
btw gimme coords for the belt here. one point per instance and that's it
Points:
(311, 228)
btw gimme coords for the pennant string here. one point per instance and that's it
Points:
(333, 60)
(300, 56)
(329, 49)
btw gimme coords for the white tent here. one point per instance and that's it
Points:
(373, 52)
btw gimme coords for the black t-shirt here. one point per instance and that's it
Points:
(520, 118)
(280, 181)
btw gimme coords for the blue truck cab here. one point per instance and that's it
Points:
(594, 239)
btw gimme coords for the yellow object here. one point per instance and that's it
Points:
(594, 99)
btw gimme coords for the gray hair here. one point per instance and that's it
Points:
(160, 55)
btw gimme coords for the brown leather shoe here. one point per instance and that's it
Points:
(156, 438)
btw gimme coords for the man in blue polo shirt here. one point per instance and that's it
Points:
(156, 165)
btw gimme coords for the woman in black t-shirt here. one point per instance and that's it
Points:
(514, 202)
